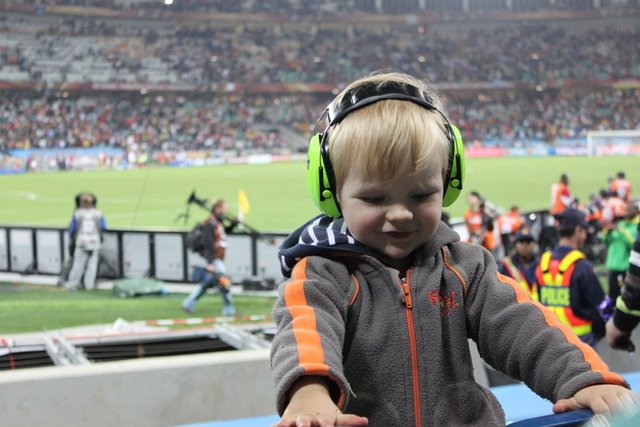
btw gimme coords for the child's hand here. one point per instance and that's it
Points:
(322, 420)
(599, 398)
(311, 406)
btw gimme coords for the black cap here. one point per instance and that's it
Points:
(571, 218)
(525, 235)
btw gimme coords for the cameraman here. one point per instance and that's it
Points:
(212, 273)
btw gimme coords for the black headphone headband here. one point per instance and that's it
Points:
(368, 94)
(362, 96)
(321, 176)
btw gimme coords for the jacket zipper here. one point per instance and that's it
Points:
(406, 291)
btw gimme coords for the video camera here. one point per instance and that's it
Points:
(203, 203)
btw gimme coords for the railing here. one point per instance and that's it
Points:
(161, 254)
(124, 253)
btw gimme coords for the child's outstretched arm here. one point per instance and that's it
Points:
(599, 398)
(310, 405)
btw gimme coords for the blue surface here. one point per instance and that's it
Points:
(565, 419)
(244, 422)
(518, 401)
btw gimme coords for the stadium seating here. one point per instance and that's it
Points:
(124, 82)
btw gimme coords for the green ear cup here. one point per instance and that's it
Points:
(453, 187)
(320, 175)
(317, 180)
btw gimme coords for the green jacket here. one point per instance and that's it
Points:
(619, 242)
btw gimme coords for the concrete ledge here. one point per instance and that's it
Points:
(150, 392)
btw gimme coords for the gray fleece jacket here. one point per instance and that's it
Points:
(396, 351)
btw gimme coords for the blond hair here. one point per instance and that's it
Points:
(383, 136)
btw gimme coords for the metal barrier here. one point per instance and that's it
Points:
(135, 253)
(161, 254)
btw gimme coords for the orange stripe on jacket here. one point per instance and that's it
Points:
(310, 353)
(456, 272)
(590, 356)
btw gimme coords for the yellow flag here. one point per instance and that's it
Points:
(243, 202)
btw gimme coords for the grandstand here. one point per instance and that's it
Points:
(235, 78)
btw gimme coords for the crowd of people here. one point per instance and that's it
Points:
(251, 123)
(146, 123)
(170, 52)
(330, 8)
(555, 265)
(502, 88)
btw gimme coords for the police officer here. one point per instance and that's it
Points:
(567, 283)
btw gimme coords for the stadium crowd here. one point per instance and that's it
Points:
(332, 8)
(154, 123)
(73, 49)
(229, 87)
(523, 92)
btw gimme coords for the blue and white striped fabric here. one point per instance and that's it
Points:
(322, 235)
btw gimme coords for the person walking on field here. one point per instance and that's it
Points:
(210, 270)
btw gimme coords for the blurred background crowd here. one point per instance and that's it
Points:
(147, 77)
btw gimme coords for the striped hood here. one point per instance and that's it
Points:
(322, 235)
(329, 237)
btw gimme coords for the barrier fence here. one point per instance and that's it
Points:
(159, 254)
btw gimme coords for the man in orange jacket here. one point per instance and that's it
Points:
(621, 186)
(561, 197)
(509, 224)
(479, 222)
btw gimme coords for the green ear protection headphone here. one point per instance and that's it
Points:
(320, 175)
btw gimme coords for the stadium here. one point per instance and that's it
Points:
(159, 108)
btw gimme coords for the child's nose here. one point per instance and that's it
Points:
(399, 212)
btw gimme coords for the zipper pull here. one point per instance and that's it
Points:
(407, 294)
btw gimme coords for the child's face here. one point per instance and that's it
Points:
(397, 217)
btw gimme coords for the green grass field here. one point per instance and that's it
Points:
(154, 197)
(26, 308)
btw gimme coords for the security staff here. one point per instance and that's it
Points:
(521, 265)
(566, 280)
